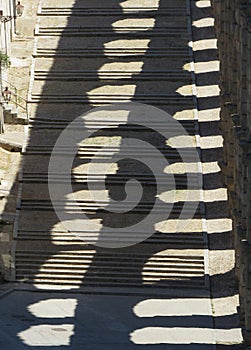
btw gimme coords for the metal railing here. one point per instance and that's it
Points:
(17, 99)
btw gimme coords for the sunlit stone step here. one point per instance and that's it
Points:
(140, 31)
(181, 240)
(171, 11)
(80, 206)
(175, 52)
(118, 178)
(115, 269)
(88, 151)
(189, 127)
(100, 99)
(57, 75)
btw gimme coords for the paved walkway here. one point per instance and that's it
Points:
(76, 321)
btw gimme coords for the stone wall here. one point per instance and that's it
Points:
(7, 30)
(233, 26)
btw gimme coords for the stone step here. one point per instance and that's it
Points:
(120, 64)
(99, 280)
(170, 11)
(111, 179)
(120, 42)
(110, 124)
(48, 221)
(117, 87)
(10, 113)
(105, 258)
(89, 151)
(80, 75)
(75, 283)
(183, 187)
(133, 255)
(139, 21)
(112, 268)
(134, 31)
(177, 240)
(80, 206)
(101, 99)
(110, 4)
(117, 266)
(118, 52)
(68, 112)
(39, 162)
(103, 274)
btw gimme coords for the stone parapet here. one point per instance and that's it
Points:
(233, 26)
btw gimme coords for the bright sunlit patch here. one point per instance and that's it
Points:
(202, 91)
(205, 44)
(219, 265)
(204, 67)
(187, 67)
(128, 43)
(226, 306)
(113, 90)
(203, 3)
(170, 226)
(186, 114)
(172, 307)
(180, 196)
(219, 225)
(138, 3)
(189, 335)
(228, 336)
(59, 260)
(207, 67)
(183, 141)
(127, 69)
(182, 168)
(48, 335)
(54, 308)
(139, 23)
(210, 168)
(211, 115)
(209, 142)
(185, 90)
(208, 91)
(219, 194)
(204, 22)
(44, 286)
(113, 115)
(166, 273)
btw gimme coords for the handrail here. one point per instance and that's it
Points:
(18, 104)
(7, 82)
(18, 98)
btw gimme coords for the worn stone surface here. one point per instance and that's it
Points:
(92, 309)
(233, 30)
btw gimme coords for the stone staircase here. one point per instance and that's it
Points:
(15, 111)
(13, 115)
(10, 113)
(86, 56)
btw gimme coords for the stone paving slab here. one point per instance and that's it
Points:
(12, 141)
(45, 320)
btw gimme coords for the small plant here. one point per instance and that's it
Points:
(4, 60)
